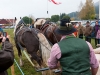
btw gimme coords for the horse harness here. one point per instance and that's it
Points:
(48, 27)
(20, 32)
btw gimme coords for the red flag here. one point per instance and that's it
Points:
(55, 2)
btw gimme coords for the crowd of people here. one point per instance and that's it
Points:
(88, 31)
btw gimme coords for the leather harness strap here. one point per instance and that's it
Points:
(21, 32)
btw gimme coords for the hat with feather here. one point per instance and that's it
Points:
(65, 27)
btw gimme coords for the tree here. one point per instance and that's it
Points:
(87, 11)
(27, 20)
(64, 16)
(55, 18)
(80, 14)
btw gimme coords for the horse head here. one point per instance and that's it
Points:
(48, 29)
(39, 23)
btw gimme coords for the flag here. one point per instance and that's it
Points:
(57, 3)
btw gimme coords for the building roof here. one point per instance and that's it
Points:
(3, 21)
(7, 21)
(11, 20)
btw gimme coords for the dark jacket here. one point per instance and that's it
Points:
(95, 29)
(6, 57)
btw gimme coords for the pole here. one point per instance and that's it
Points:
(29, 19)
(47, 10)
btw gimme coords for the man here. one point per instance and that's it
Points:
(88, 31)
(80, 30)
(75, 55)
(6, 55)
(95, 30)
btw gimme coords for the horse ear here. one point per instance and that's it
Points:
(20, 18)
(15, 18)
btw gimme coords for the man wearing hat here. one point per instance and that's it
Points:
(75, 55)
(87, 31)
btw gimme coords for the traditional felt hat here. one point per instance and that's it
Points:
(65, 27)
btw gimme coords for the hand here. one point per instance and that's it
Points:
(4, 38)
(1, 36)
(8, 36)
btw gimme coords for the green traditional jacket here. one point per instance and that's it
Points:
(75, 56)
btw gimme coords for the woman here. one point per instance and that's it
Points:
(98, 36)
(95, 30)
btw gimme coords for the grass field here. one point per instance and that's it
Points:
(27, 68)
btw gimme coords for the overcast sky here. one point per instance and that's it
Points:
(37, 8)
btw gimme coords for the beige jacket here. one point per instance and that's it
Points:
(80, 29)
(88, 30)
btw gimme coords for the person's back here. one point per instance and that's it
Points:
(74, 53)
(6, 56)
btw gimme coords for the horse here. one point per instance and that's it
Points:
(48, 30)
(26, 37)
(33, 40)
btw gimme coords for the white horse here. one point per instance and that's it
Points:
(46, 48)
